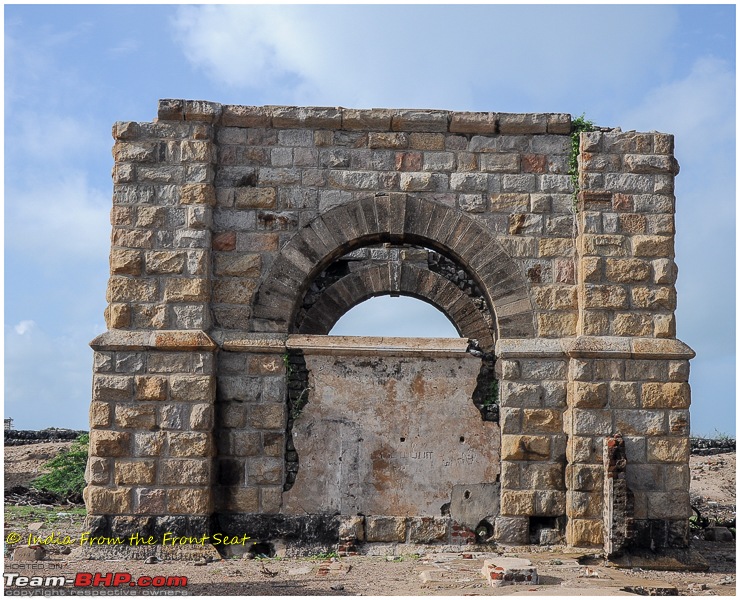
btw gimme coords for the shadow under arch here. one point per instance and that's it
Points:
(396, 218)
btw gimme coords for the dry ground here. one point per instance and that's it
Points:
(412, 571)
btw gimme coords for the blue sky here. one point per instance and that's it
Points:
(72, 71)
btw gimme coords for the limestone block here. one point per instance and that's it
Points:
(189, 444)
(134, 472)
(469, 182)
(512, 530)
(351, 528)
(589, 395)
(632, 324)
(192, 388)
(509, 203)
(234, 290)
(664, 326)
(148, 444)
(271, 498)
(585, 505)
(118, 316)
(594, 322)
(265, 470)
(579, 370)
(98, 471)
(640, 422)
(385, 529)
(135, 416)
(180, 289)
(246, 443)
(541, 475)
(555, 394)
(668, 505)
(592, 422)
(112, 387)
(605, 296)
(604, 245)
(557, 324)
(255, 197)
(177, 471)
(623, 395)
(549, 503)
(149, 501)
(426, 530)
(267, 416)
(125, 262)
(627, 270)
(473, 122)
(517, 502)
(173, 416)
(525, 447)
(388, 140)
(644, 477)
(149, 387)
(520, 395)
(676, 477)
(664, 271)
(542, 420)
(666, 395)
(106, 501)
(474, 203)
(659, 246)
(273, 443)
(647, 370)
(417, 182)
(584, 532)
(678, 422)
(201, 417)
(110, 443)
(510, 419)
(665, 449)
(188, 502)
(100, 415)
(584, 478)
(238, 264)
(244, 500)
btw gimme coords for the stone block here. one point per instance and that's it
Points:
(100, 415)
(658, 246)
(585, 478)
(592, 422)
(511, 530)
(110, 443)
(267, 416)
(668, 505)
(201, 417)
(177, 471)
(549, 503)
(180, 289)
(149, 501)
(240, 500)
(557, 324)
(640, 422)
(520, 395)
(427, 530)
(189, 444)
(632, 324)
(385, 529)
(666, 395)
(98, 471)
(542, 420)
(585, 505)
(589, 395)
(605, 296)
(135, 472)
(135, 416)
(667, 449)
(678, 422)
(192, 388)
(148, 444)
(627, 270)
(151, 388)
(107, 501)
(525, 447)
(188, 502)
(265, 470)
(584, 532)
(503, 571)
(113, 388)
(351, 528)
(623, 395)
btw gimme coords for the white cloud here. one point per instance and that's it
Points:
(425, 56)
(24, 327)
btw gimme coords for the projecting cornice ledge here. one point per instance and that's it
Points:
(594, 347)
(172, 340)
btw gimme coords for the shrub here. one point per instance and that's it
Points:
(67, 471)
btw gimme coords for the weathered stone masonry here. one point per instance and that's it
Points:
(239, 234)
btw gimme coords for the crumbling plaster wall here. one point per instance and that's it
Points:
(224, 215)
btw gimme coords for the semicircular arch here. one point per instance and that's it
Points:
(400, 219)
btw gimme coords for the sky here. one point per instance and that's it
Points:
(72, 71)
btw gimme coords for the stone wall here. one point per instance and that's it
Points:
(236, 227)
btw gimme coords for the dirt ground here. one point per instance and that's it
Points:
(395, 570)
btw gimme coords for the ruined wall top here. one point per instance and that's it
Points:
(374, 119)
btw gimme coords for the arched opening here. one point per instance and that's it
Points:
(402, 316)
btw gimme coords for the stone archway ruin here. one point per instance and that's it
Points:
(233, 232)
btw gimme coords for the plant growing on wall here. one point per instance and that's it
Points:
(578, 126)
(67, 470)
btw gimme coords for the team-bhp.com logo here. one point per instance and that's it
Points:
(93, 580)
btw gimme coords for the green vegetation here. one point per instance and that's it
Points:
(67, 470)
(578, 126)
(491, 398)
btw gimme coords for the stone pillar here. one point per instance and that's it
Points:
(152, 417)
(532, 376)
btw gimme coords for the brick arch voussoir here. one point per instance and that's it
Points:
(395, 218)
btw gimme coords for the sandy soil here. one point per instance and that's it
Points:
(412, 571)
